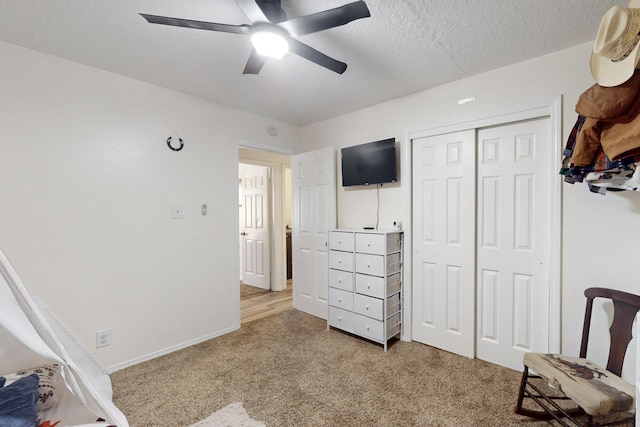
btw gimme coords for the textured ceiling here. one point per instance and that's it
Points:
(406, 46)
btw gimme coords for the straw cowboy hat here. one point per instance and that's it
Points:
(615, 51)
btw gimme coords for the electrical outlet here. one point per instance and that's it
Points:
(103, 338)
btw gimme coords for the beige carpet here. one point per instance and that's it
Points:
(233, 415)
(288, 370)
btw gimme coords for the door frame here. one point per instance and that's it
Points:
(279, 272)
(548, 107)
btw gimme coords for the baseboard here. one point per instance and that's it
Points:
(113, 368)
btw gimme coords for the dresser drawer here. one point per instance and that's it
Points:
(341, 241)
(341, 299)
(370, 285)
(341, 319)
(377, 308)
(378, 244)
(370, 264)
(341, 280)
(374, 329)
(375, 264)
(368, 327)
(368, 306)
(341, 260)
(371, 243)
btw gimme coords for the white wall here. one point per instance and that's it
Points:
(600, 233)
(87, 188)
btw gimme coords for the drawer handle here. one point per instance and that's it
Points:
(339, 299)
(368, 244)
(339, 318)
(339, 242)
(368, 327)
(339, 261)
(366, 307)
(368, 265)
(368, 286)
(339, 280)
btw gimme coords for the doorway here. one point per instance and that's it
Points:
(264, 222)
(255, 225)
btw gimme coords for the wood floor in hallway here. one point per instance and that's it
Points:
(258, 307)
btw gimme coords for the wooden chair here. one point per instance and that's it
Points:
(565, 387)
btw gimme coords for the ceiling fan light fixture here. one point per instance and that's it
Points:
(269, 44)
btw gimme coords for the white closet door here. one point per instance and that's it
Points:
(444, 241)
(514, 234)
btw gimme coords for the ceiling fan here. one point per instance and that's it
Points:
(272, 33)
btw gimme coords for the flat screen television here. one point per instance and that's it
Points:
(370, 163)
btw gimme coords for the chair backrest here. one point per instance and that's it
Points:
(625, 306)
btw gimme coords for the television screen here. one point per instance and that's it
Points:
(371, 163)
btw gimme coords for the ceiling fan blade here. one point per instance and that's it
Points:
(200, 25)
(252, 10)
(313, 55)
(327, 19)
(255, 63)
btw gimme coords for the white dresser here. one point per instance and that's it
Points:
(365, 283)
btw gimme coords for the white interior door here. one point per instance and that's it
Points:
(314, 213)
(444, 241)
(514, 217)
(254, 226)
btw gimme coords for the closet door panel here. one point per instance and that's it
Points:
(444, 241)
(513, 241)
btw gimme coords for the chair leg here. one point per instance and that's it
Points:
(550, 409)
(525, 393)
(523, 384)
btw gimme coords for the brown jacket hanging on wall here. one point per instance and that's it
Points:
(613, 121)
